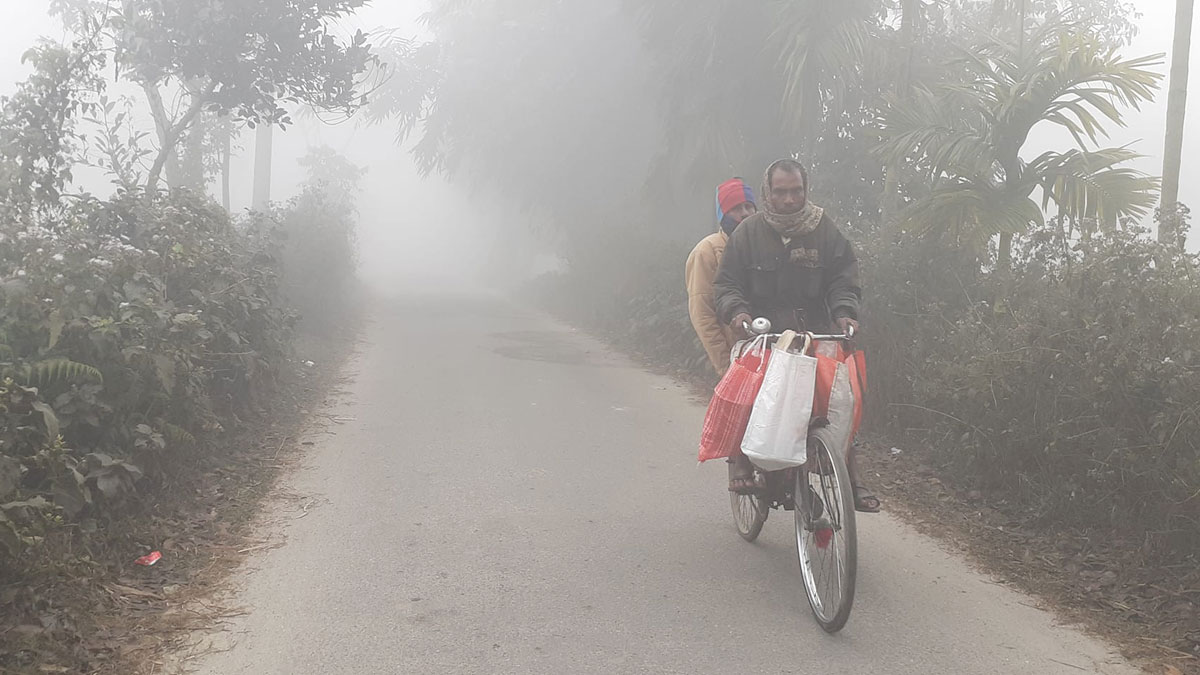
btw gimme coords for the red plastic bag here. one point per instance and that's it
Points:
(732, 401)
(832, 362)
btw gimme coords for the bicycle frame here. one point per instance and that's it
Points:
(778, 484)
(823, 511)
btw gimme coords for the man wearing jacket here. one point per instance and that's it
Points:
(792, 265)
(735, 203)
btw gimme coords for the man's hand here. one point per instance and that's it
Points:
(739, 323)
(848, 326)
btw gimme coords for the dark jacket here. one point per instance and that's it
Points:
(800, 286)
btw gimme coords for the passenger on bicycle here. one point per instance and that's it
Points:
(790, 264)
(735, 203)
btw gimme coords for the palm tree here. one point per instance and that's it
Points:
(966, 135)
(910, 12)
(746, 81)
(823, 49)
(719, 88)
(1176, 111)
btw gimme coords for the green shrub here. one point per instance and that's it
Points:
(319, 254)
(1079, 397)
(131, 332)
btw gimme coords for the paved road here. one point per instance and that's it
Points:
(510, 497)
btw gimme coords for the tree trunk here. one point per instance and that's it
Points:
(1176, 110)
(1021, 27)
(1004, 252)
(169, 132)
(186, 168)
(908, 37)
(156, 170)
(1012, 171)
(890, 204)
(1011, 163)
(264, 139)
(162, 126)
(226, 160)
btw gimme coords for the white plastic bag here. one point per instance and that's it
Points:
(777, 436)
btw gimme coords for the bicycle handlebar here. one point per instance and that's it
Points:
(762, 326)
(827, 338)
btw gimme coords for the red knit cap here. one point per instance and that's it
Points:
(731, 194)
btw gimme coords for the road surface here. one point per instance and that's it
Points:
(505, 495)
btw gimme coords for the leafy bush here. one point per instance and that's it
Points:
(130, 334)
(133, 330)
(1076, 398)
(319, 249)
(1080, 396)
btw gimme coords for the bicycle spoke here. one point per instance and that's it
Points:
(830, 581)
(825, 542)
(748, 509)
(749, 513)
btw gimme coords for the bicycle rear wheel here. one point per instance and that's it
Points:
(749, 514)
(826, 540)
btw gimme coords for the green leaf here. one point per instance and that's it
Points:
(70, 498)
(177, 436)
(115, 478)
(1091, 186)
(164, 368)
(10, 538)
(56, 324)
(96, 460)
(49, 419)
(10, 476)
(109, 482)
(27, 511)
(58, 371)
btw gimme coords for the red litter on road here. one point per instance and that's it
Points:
(148, 560)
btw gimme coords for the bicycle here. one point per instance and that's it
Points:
(826, 539)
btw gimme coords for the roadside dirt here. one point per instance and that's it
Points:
(1105, 585)
(105, 614)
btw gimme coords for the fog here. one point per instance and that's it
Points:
(536, 198)
(414, 232)
(418, 230)
(1145, 128)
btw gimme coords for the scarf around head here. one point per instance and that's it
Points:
(790, 225)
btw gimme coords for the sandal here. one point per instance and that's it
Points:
(743, 486)
(864, 501)
(744, 482)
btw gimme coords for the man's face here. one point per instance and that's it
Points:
(788, 192)
(741, 212)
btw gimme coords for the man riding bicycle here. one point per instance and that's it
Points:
(790, 264)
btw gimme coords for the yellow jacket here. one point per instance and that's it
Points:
(700, 272)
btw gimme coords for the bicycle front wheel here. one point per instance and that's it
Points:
(749, 514)
(826, 540)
